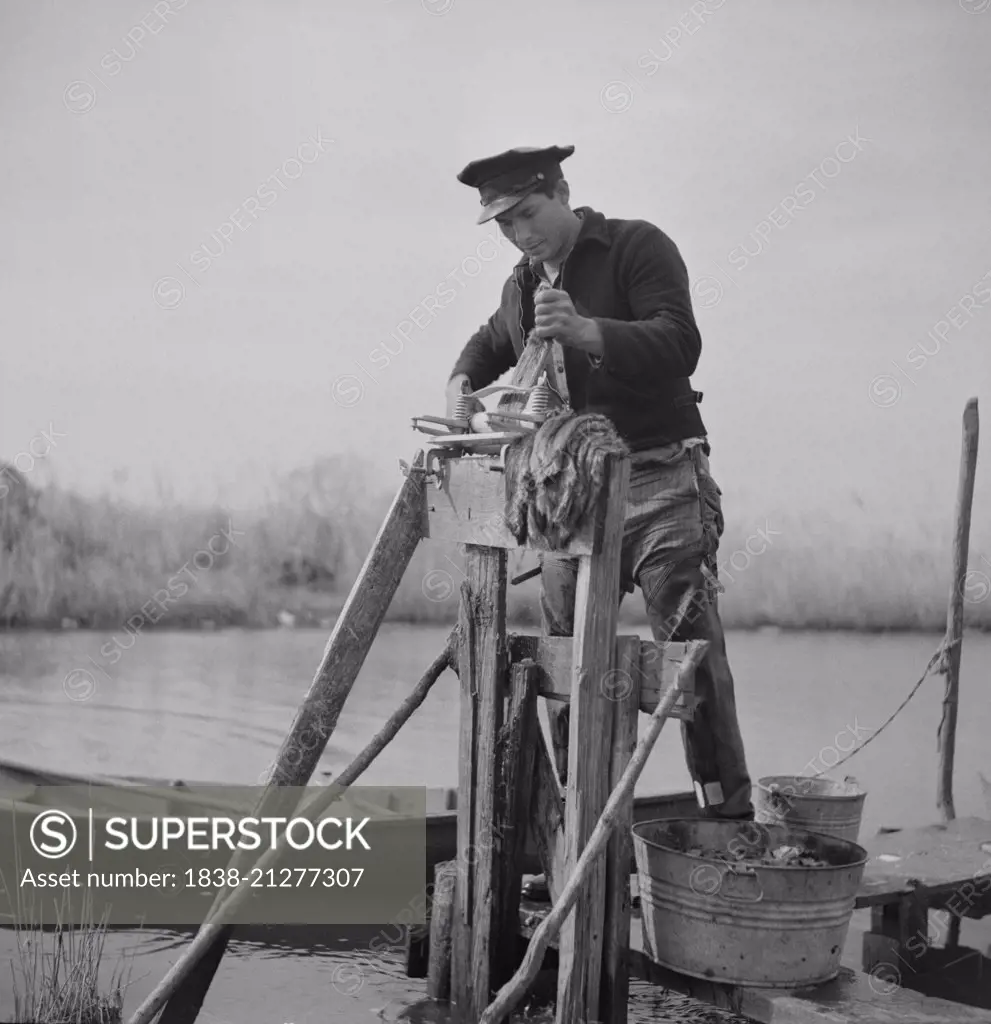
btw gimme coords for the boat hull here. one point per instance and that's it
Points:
(25, 792)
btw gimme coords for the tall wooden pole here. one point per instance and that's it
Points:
(946, 740)
(478, 950)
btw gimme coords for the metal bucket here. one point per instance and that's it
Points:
(761, 925)
(817, 805)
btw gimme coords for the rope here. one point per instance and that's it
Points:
(937, 662)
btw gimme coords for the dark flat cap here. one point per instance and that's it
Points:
(508, 178)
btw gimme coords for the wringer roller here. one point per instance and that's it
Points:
(488, 432)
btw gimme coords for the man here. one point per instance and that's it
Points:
(618, 302)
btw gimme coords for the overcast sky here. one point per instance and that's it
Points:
(217, 213)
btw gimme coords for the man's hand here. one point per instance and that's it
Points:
(455, 388)
(556, 318)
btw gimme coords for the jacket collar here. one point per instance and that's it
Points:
(593, 229)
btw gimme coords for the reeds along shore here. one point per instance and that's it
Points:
(69, 562)
(60, 972)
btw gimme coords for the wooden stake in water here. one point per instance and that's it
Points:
(954, 626)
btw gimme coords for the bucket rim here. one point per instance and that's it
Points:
(862, 856)
(764, 785)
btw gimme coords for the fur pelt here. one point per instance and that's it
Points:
(555, 475)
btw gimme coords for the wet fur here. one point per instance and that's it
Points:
(555, 475)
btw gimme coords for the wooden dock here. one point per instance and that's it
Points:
(939, 867)
(852, 998)
(944, 866)
(911, 875)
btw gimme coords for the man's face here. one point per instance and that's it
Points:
(540, 226)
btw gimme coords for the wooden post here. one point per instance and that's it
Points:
(517, 757)
(961, 544)
(483, 681)
(484, 686)
(317, 716)
(441, 920)
(625, 694)
(589, 750)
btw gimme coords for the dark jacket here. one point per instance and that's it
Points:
(629, 276)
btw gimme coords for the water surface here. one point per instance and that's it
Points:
(217, 706)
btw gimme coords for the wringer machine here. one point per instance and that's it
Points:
(478, 433)
(509, 795)
(539, 389)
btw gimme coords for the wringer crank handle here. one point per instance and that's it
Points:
(557, 358)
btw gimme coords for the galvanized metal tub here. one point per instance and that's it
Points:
(766, 926)
(818, 805)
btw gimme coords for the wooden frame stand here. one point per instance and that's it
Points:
(507, 785)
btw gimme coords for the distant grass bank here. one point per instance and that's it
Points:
(67, 563)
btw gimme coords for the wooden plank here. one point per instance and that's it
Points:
(942, 864)
(547, 820)
(857, 998)
(467, 734)
(486, 571)
(318, 715)
(485, 686)
(615, 989)
(946, 736)
(596, 612)
(470, 508)
(655, 670)
(441, 923)
(516, 759)
(852, 998)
